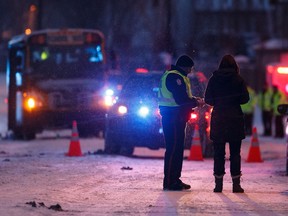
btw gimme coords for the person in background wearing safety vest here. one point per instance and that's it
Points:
(175, 104)
(248, 110)
(278, 97)
(226, 91)
(265, 104)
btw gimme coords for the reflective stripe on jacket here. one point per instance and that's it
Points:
(165, 96)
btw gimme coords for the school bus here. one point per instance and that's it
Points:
(55, 76)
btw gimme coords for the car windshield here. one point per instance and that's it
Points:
(142, 86)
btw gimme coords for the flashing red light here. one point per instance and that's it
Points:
(282, 70)
(141, 70)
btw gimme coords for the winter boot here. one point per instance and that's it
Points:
(236, 185)
(218, 184)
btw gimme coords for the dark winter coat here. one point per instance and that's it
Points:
(225, 91)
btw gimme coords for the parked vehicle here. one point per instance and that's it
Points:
(134, 120)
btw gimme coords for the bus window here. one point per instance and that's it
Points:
(83, 60)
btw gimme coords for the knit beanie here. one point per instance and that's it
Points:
(184, 61)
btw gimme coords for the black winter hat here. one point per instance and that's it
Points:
(184, 61)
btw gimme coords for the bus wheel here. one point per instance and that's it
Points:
(24, 135)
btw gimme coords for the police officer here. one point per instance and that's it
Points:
(175, 104)
(248, 110)
(265, 104)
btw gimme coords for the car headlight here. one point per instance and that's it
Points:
(143, 111)
(122, 109)
(109, 98)
(108, 101)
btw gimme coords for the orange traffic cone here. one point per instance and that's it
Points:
(74, 148)
(254, 154)
(196, 149)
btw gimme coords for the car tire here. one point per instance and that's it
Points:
(111, 145)
(127, 150)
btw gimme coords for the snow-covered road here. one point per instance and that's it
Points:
(35, 176)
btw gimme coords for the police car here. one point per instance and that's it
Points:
(134, 120)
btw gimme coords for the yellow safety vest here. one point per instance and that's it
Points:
(278, 98)
(265, 99)
(165, 96)
(249, 107)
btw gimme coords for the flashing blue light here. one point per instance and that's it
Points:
(109, 92)
(143, 111)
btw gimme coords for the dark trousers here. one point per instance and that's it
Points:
(279, 126)
(174, 133)
(267, 122)
(219, 158)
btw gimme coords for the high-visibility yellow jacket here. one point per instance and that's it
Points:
(278, 98)
(265, 100)
(250, 106)
(165, 96)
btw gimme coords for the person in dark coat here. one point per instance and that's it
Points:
(225, 91)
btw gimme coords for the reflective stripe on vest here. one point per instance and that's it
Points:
(165, 96)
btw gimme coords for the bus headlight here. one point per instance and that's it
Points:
(31, 101)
